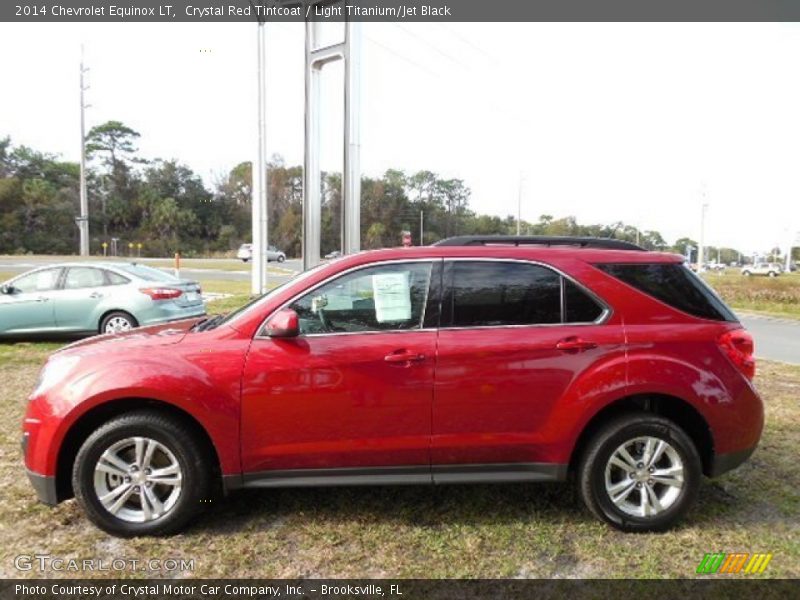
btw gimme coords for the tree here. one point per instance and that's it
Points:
(115, 140)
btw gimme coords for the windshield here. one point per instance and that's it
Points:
(147, 273)
(266, 297)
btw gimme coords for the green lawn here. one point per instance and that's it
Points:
(779, 296)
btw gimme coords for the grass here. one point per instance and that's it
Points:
(778, 296)
(448, 531)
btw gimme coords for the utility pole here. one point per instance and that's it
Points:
(422, 227)
(701, 244)
(519, 206)
(259, 199)
(83, 219)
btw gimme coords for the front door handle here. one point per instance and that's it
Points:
(404, 357)
(573, 345)
(95, 295)
(43, 299)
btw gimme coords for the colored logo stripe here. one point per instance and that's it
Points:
(720, 562)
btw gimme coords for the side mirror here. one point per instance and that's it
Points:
(283, 324)
(7, 289)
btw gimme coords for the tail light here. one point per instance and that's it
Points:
(162, 293)
(738, 345)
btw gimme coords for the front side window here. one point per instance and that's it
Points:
(504, 293)
(40, 281)
(382, 298)
(83, 277)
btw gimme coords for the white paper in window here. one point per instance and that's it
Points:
(392, 296)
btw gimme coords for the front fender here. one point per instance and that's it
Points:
(185, 383)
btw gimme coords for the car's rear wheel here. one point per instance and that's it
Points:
(773, 274)
(281, 258)
(640, 472)
(117, 322)
(141, 474)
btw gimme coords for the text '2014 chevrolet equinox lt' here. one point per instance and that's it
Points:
(474, 360)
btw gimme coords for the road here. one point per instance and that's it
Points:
(224, 269)
(775, 339)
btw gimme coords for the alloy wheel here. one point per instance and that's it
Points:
(118, 325)
(644, 476)
(138, 479)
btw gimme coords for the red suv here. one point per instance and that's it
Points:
(476, 360)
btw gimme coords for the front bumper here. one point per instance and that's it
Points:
(727, 462)
(44, 486)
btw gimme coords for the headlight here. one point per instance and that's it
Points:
(56, 369)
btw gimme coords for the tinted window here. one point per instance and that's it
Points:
(40, 281)
(675, 285)
(499, 293)
(383, 298)
(83, 277)
(580, 307)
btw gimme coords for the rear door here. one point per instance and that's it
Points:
(30, 306)
(514, 336)
(76, 305)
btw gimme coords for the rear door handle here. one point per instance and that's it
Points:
(43, 299)
(95, 295)
(573, 345)
(404, 357)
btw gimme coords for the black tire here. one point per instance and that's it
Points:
(181, 441)
(592, 471)
(244, 260)
(746, 273)
(117, 314)
(281, 258)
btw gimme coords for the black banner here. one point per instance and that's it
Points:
(398, 589)
(398, 10)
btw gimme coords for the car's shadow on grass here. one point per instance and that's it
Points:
(728, 499)
(421, 506)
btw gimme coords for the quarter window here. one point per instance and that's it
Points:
(382, 298)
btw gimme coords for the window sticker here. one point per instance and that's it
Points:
(392, 296)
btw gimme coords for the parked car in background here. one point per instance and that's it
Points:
(245, 253)
(90, 298)
(332, 255)
(473, 361)
(768, 269)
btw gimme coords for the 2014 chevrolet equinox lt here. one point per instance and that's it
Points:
(475, 360)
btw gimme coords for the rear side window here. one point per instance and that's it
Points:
(496, 293)
(675, 285)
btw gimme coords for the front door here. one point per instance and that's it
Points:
(29, 306)
(354, 390)
(513, 338)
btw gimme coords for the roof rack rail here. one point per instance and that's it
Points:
(539, 240)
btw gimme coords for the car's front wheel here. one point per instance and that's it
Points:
(141, 474)
(281, 258)
(640, 472)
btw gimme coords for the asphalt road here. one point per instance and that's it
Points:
(775, 339)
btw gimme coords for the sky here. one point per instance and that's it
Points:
(636, 122)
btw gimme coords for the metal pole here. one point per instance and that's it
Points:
(701, 248)
(421, 227)
(83, 220)
(519, 206)
(351, 205)
(312, 203)
(259, 198)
